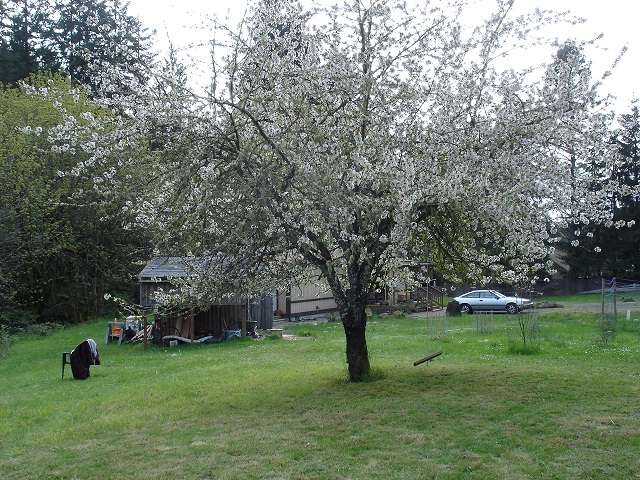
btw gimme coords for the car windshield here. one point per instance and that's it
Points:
(497, 294)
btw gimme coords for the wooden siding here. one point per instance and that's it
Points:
(147, 289)
(262, 312)
(213, 321)
(305, 301)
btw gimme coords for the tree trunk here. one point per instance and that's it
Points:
(354, 321)
(352, 304)
(357, 353)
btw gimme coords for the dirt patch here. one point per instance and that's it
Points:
(287, 336)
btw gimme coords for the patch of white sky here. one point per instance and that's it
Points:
(187, 24)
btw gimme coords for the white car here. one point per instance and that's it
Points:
(491, 300)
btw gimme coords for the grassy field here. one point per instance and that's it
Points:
(280, 409)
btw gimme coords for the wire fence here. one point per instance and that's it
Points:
(619, 302)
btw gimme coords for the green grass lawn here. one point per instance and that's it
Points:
(280, 409)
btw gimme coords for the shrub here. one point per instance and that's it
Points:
(517, 348)
(5, 341)
(44, 329)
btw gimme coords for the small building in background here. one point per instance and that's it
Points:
(316, 299)
(206, 319)
(307, 300)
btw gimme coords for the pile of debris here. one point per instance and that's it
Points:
(139, 336)
(549, 305)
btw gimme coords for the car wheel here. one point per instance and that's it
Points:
(464, 308)
(512, 308)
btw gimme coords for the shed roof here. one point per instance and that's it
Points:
(163, 268)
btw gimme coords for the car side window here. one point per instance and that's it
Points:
(472, 295)
(487, 295)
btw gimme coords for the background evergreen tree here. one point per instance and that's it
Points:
(613, 249)
(26, 38)
(626, 253)
(77, 37)
(93, 33)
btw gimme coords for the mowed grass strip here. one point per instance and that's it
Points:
(282, 410)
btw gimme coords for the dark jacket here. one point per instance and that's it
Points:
(82, 357)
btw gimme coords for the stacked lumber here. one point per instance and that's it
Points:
(185, 327)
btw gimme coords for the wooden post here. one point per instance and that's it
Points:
(244, 320)
(144, 334)
(192, 325)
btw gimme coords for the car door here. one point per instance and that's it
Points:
(488, 301)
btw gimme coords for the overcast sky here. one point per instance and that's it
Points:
(618, 20)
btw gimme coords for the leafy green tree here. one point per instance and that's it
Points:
(25, 198)
(62, 245)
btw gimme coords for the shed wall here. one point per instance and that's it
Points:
(305, 300)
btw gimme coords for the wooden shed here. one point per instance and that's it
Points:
(208, 319)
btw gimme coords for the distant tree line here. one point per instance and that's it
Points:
(611, 247)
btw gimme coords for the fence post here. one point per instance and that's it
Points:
(602, 301)
(615, 299)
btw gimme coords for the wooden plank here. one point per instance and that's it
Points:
(187, 340)
(426, 359)
(185, 327)
(144, 326)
